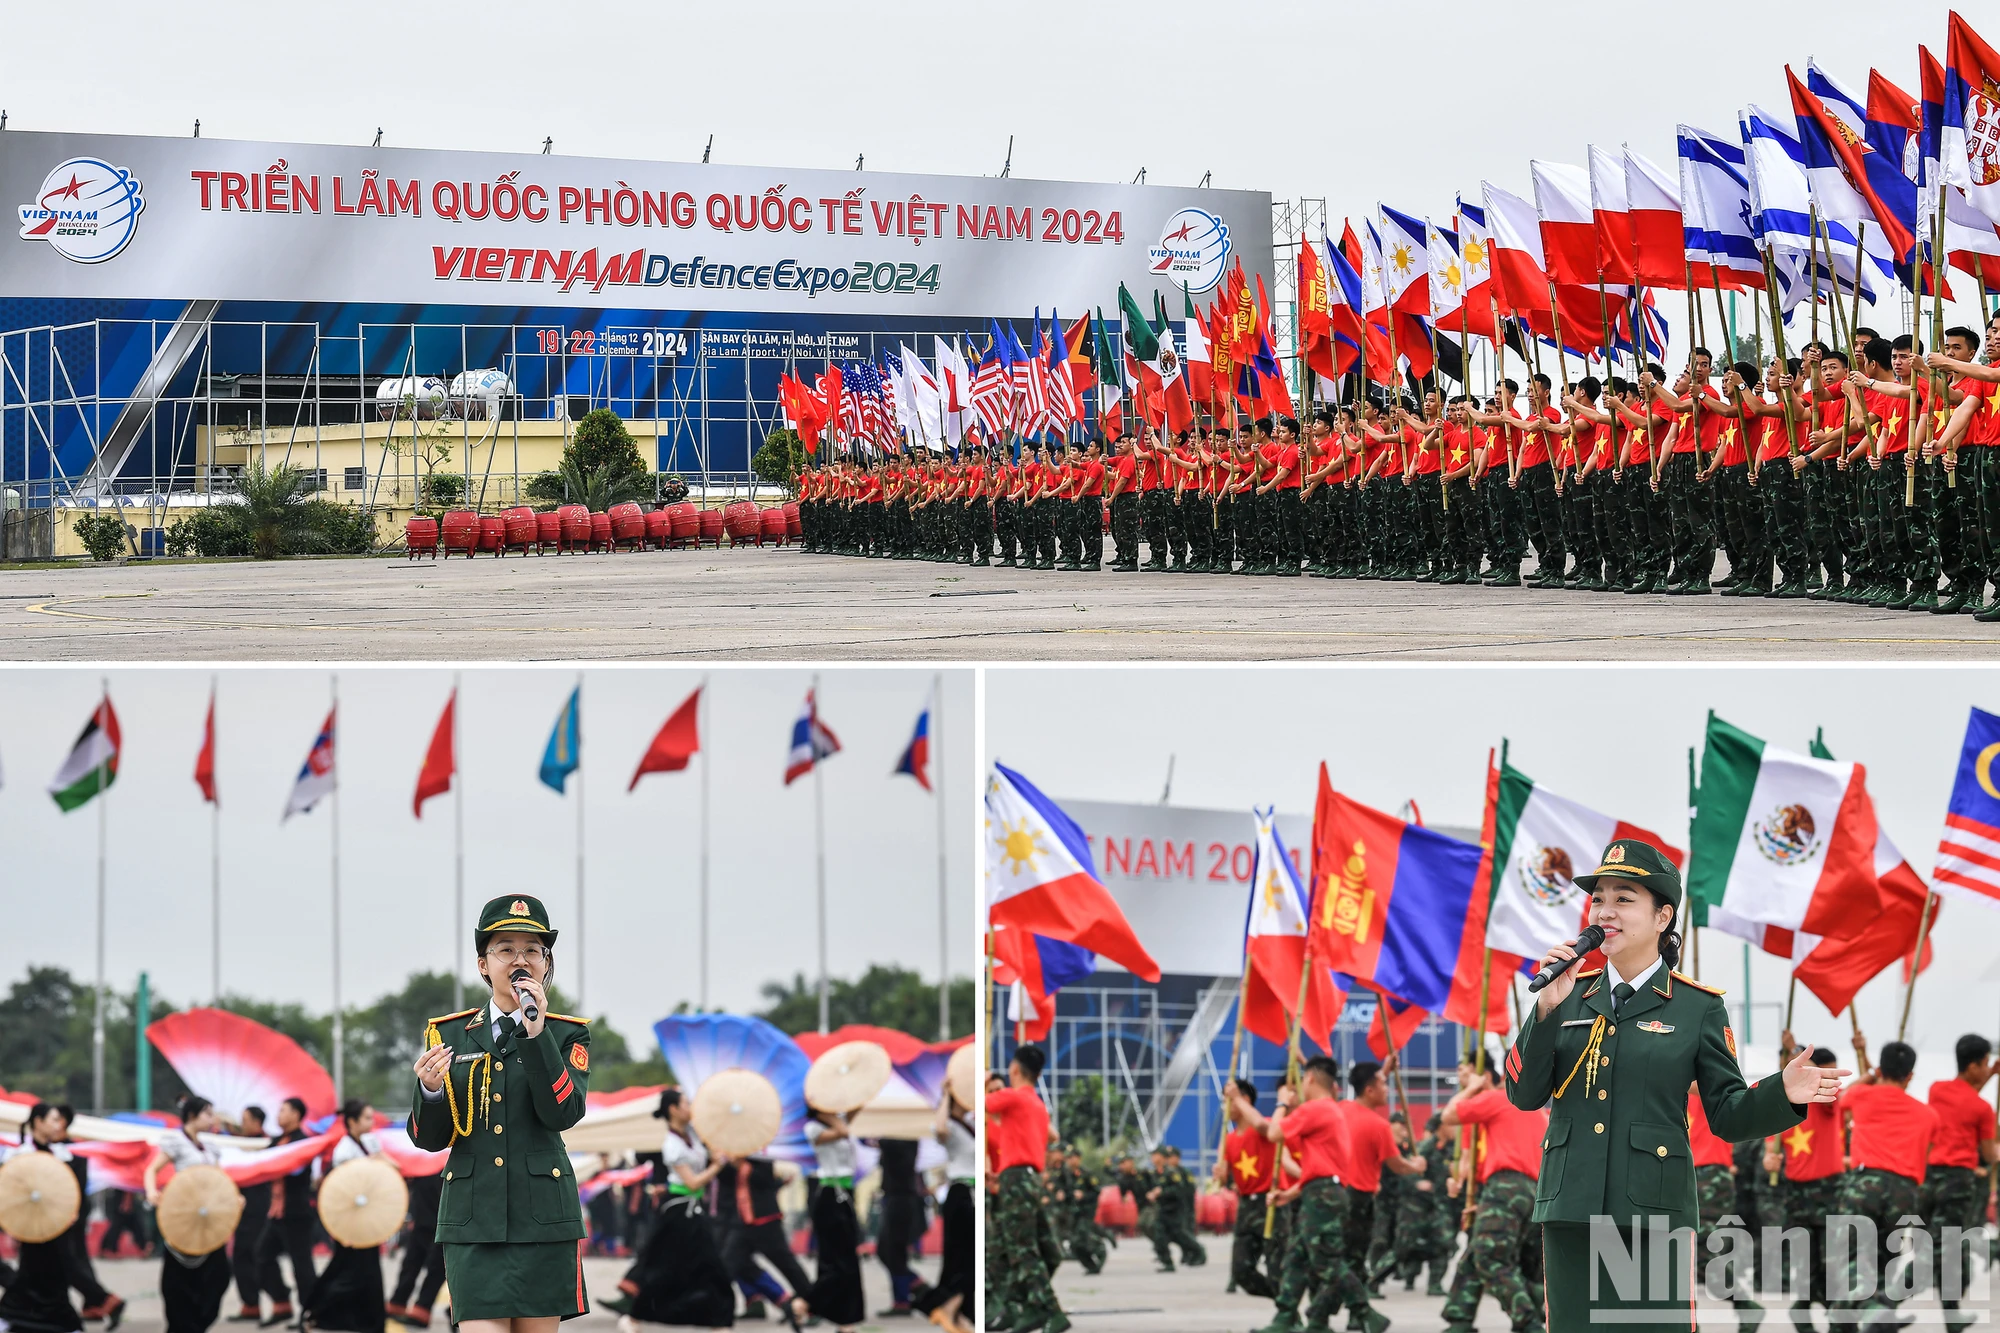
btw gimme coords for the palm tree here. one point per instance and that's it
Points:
(602, 487)
(276, 508)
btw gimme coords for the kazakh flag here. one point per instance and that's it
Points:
(92, 765)
(565, 746)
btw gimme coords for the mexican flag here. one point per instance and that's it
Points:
(1541, 843)
(92, 765)
(1142, 355)
(1110, 383)
(1782, 839)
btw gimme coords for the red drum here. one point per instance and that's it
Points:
(492, 532)
(522, 530)
(711, 527)
(420, 535)
(548, 531)
(628, 524)
(461, 533)
(600, 532)
(575, 527)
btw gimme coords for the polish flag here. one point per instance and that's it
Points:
(1659, 235)
(1567, 223)
(1610, 215)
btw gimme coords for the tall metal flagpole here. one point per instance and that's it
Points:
(944, 891)
(339, 1027)
(819, 843)
(214, 874)
(458, 856)
(706, 742)
(97, 1022)
(577, 741)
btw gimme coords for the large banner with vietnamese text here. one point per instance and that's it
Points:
(142, 218)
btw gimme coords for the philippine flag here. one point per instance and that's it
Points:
(916, 760)
(811, 741)
(1274, 946)
(315, 775)
(1039, 877)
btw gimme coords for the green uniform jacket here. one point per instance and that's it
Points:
(1617, 1142)
(508, 1177)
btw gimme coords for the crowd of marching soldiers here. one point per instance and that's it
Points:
(1867, 476)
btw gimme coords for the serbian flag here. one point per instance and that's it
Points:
(677, 741)
(1390, 899)
(440, 759)
(1659, 232)
(1610, 215)
(316, 775)
(1034, 967)
(1968, 859)
(1039, 876)
(204, 762)
(1274, 950)
(1967, 140)
(916, 760)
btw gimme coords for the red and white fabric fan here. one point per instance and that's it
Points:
(236, 1062)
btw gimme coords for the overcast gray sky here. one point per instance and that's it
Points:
(1405, 104)
(1615, 738)
(642, 876)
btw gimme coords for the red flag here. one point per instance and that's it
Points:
(829, 391)
(1404, 1020)
(677, 742)
(204, 763)
(441, 760)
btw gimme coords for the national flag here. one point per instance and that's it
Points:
(1404, 1018)
(923, 406)
(1715, 208)
(1343, 295)
(1785, 194)
(677, 741)
(1470, 979)
(1035, 967)
(440, 759)
(1389, 899)
(916, 760)
(1110, 375)
(1176, 403)
(1969, 127)
(1831, 125)
(1968, 860)
(204, 760)
(1475, 257)
(1039, 410)
(1316, 341)
(1405, 270)
(1039, 876)
(1065, 400)
(1568, 228)
(1653, 207)
(1541, 842)
(316, 775)
(812, 741)
(993, 388)
(1780, 839)
(1274, 950)
(565, 748)
(1243, 316)
(1200, 368)
(831, 400)
(1610, 215)
(1447, 275)
(1020, 373)
(92, 764)
(1076, 355)
(1142, 347)
(1519, 276)
(953, 375)
(1908, 132)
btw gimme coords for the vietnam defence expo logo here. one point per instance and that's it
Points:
(1546, 874)
(88, 210)
(1787, 837)
(1193, 247)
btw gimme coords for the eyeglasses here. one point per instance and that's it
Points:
(534, 953)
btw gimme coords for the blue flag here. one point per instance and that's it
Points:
(560, 759)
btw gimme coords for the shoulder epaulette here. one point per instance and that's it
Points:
(570, 1019)
(1593, 972)
(446, 1018)
(1698, 985)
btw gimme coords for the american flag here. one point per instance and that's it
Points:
(993, 393)
(889, 432)
(853, 422)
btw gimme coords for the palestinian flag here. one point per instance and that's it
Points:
(92, 765)
(1781, 839)
(1541, 842)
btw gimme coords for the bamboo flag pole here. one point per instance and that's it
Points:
(1791, 997)
(1395, 1058)
(1853, 322)
(1860, 1052)
(1236, 1038)
(1916, 961)
(1694, 390)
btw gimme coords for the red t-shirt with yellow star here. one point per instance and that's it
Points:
(1812, 1149)
(1251, 1158)
(1707, 1148)
(1510, 1139)
(1457, 446)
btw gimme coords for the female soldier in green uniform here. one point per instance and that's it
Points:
(1616, 1050)
(498, 1085)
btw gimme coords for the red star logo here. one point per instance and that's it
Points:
(73, 190)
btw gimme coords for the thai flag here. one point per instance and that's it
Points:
(315, 775)
(916, 760)
(1040, 878)
(811, 741)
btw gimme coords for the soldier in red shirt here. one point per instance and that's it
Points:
(1688, 507)
(1123, 496)
(1963, 1152)
(1309, 1124)
(1891, 1139)
(1019, 1121)
(1090, 510)
(1507, 1158)
(1971, 445)
(1812, 1158)
(1249, 1165)
(1371, 1145)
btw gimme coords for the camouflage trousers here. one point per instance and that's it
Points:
(1125, 528)
(1177, 1224)
(1952, 1196)
(1316, 1257)
(1807, 1205)
(1494, 1263)
(1152, 1226)
(1883, 1197)
(1416, 1238)
(1252, 1249)
(1019, 1271)
(1086, 1238)
(1715, 1199)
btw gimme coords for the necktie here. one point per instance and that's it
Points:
(1619, 994)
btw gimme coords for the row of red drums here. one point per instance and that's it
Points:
(623, 527)
(1119, 1212)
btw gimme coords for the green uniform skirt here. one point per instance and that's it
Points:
(537, 1280)
(1658, 1297)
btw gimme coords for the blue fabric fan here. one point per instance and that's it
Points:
(697, 1045)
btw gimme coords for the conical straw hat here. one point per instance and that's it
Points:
(737, 1113)
(362, 1202)
(39, 1197)
(846, 1077)
(199, 1209)
(962, 1075)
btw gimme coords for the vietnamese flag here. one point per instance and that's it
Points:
(204, 762)
(1389, 898)
(677, 741)
(440, 760)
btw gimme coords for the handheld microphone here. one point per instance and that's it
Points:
(1587, 939)
(530, 1013)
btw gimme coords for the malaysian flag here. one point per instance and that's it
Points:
(1968, 860)
(1042, 410)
